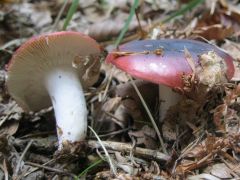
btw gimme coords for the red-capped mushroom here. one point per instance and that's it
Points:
(54, 69)
(165, 62)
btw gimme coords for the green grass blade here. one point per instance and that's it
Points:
(90, 167)
(70, 13)
(183, 10)
(125, 28)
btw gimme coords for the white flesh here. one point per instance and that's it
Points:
(167, 99)
(69, 104)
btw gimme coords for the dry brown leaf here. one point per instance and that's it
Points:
(39, 13)
(103, 121)
(8, 1)
(9, 128)
(169, 132)
(146, 136)
(114, 72)
(218, 116)
(197, 152)
(188, 165)
(216, 31)
(206, 147)
(235, 167)
(148, 90)
(225, 118)
(220, 170)
(11, 111)
(215, 26)
(95, 14)
(154, 168)
(206, 152)
(122, 114)
(203, 176)
(232, 10)
(107, 29)
(234, 50)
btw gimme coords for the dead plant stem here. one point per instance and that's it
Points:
(150, 115)
(49, 168)
(21, 157)
(126, 148)
(54, 27)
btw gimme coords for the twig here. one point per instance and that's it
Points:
(4, 169)
(37, 134)
(124, 147)
(49, 168)
(230, 168)
(114, 119)
(21, 157)
(139, 24)
(185, 151)
(113, 169)
(54, 27)
(108, 83)
(150, 115)
(16, 42)
(36, 168)
(115, 132)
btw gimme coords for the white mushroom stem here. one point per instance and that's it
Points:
(65, 90)
(167, 99)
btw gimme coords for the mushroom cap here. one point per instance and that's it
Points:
(31, 63)
(163, 61)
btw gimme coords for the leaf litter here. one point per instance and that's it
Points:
(202, 139)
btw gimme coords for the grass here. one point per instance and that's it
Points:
(91, 166)
(71, 11)
(126, 25)
(112, 166)
(189, 6)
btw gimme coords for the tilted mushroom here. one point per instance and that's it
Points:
(167, 63)
(54, 69)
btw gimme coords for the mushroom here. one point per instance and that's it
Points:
(167, 63)
(54, 69)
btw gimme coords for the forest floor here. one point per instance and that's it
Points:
(200, 140)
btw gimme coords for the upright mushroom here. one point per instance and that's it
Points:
(165, 62)
(54, 69)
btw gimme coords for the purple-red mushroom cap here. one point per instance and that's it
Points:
(163, 61)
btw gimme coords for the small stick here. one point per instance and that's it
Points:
(138, 20)
(36, 168)
(230, 168)
(115, 132)
(21, 158)
(54, 27)
(124, 147)
(49, 168)
(108, 83)
(4, 169)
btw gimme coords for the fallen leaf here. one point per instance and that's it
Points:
(104, 30)
(221, 171)
(203, 176)
(216, 31)
(146, 136)
(39, 13)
